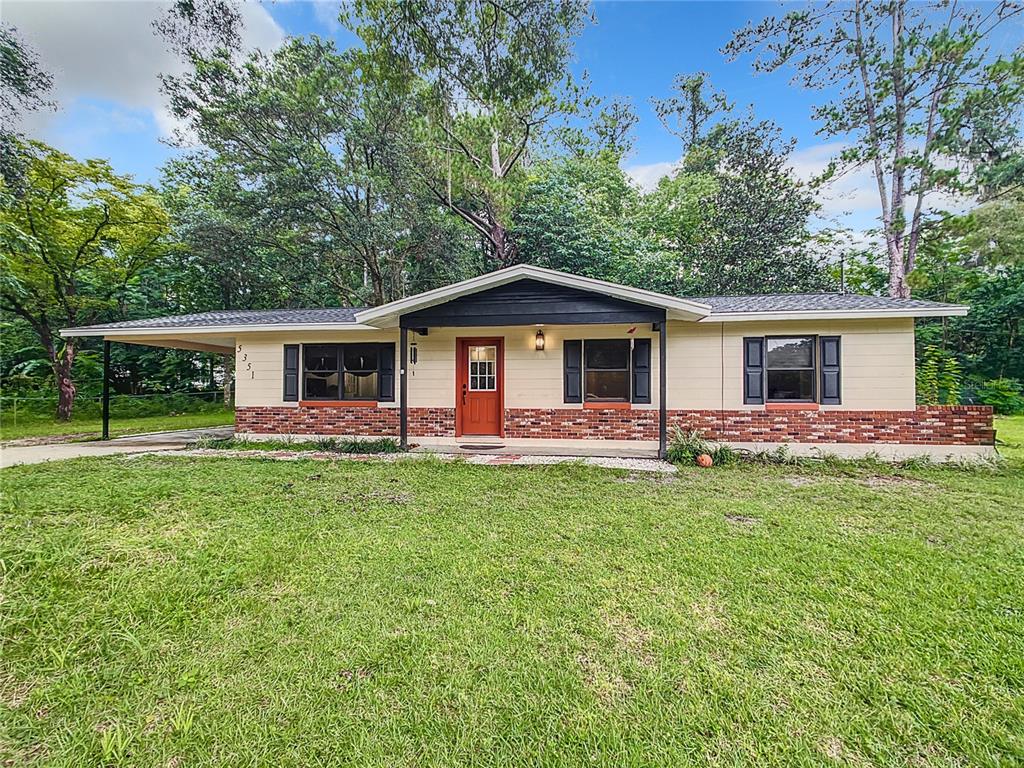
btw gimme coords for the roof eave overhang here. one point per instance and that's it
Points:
(219, 330)
(838, 314)
(388, 315)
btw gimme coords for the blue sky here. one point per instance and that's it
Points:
(106, 60)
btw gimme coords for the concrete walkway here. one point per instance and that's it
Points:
(154, 441)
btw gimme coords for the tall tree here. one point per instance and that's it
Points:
(72, 242)
(904, 75)
(24, 86)
(733, 215)
(494, 75)
(689, 112)
(316, 142)
(578, 215)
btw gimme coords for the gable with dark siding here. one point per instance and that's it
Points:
(531, 301)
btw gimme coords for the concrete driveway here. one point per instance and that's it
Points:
(154, 441)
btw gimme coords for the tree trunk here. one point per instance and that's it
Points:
(898, 287)
(62, 363)
(504, 247)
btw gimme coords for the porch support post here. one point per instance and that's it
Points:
(662, 387)
(403, 387)
(106, 390)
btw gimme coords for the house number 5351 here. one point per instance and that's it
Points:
(248, 363)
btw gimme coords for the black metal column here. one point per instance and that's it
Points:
(106, 390)
(403, 387)
(662, 387)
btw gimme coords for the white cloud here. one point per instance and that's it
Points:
(326, 13)
(851, 198)
(105, 50)
(648, 176)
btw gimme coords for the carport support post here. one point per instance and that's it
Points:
(106, 390)
(403, 387)
(662, 387)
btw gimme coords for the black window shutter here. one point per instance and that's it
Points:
(830, 362)
(291, 372)
(753, 370)
(386, 373)
(641, 370)
(572, 364)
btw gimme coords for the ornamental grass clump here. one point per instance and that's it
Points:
(688, 447)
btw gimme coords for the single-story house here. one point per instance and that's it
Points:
(526, 358)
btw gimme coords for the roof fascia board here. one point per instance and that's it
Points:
(389, 313)
(834, 314)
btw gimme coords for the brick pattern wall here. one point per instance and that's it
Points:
(342, 420)
(581, 424)
(928, 425)
(931, 425)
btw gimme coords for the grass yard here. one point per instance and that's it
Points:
(168, 611)
(89, 428)
(1010, 436)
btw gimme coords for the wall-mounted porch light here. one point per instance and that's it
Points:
(540, 340)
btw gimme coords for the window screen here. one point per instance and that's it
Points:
(606, 370)
(789, 362)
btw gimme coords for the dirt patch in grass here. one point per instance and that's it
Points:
(708, 612)
(799, 481)
(894, 481)
(835, 749)
(607, 685)
(350, 678)
(631, 639)
(743, 520)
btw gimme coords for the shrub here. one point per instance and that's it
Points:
(322, 445)
(685, 447)
(939, 378)
(1004, 395)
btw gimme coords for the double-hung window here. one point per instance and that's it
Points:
(606, 370)
(791, 369)
(789, 362)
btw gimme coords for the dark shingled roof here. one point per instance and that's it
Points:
(244, 317)
(810, 302)
(794, 302)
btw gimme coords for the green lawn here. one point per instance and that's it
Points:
(189, 612)
(1010, 436)
(40, 426)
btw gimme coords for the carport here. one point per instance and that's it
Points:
(164, 332)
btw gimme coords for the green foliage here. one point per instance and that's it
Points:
(309, 175)
(323, 445)
(73, 243)
(734, 218)
(684, 448)
(490, 79)
(939, 377)
(918, 92)
(24, 85)
(1004, 395)
(578, 215)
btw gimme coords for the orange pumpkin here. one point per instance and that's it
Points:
(704, 460)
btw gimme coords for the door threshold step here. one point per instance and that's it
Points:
(480, 446)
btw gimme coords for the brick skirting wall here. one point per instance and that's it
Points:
(931, 425)
(342, 420)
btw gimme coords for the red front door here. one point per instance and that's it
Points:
(479, 397)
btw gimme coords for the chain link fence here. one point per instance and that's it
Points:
(36, 407)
